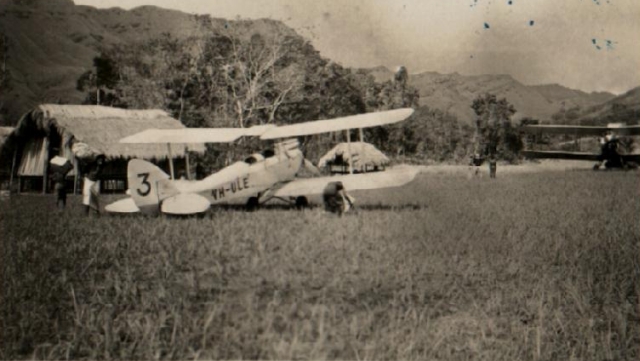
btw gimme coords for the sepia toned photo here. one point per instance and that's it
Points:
(319, 180)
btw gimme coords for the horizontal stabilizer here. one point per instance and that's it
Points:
(185, 203)
(125, 205)
(538, 154)
(333, 125)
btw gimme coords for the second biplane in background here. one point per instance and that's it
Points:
(261, 177)
(611, 155)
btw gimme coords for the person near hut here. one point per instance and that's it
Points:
(336, 200)
(475, 162)
(493, 167)
(60, 167)
(90, 189)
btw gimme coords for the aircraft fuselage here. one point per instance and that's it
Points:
(246, 179)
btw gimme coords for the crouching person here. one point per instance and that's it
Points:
(336, 200)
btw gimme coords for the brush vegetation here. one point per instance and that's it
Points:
(525, 267)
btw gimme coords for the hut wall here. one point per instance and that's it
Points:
(33, 157)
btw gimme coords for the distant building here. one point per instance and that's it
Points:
(365, 156)
(50, 130)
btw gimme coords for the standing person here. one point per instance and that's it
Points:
(474, 165)
(90, 189)
(493, 167)
(60, 167)
(60, 188)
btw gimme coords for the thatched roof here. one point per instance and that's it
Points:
(102, 128)
(363, 154)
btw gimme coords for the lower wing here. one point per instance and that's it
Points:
(561, 155)
(575, 155)
(631, 157)
(314, 186)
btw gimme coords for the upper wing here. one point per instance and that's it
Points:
(333, 125)
(314, 186)
(194, 135)
(267, 131)
(560, 155)
(581, 130)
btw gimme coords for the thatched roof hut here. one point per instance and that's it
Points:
(365, 157)
(51, 129)
(102, 128)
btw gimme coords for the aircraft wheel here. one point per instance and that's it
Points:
(596, 167)
(302, 203)
(252, 204)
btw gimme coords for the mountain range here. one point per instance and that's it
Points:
(454, 93)
(50, 43)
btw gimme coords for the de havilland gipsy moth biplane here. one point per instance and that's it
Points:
(261, 177)
(612, 153)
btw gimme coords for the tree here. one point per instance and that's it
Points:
(100, 82)
(495, 135)
(259, 78)
(392, 94)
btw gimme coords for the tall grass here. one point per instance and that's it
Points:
(528, 267)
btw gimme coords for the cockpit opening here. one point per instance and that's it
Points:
(254, 158)
(268, 153)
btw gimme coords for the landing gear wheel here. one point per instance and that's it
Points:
(252, 204)
(302, 203)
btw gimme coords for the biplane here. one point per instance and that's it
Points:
(259, 178)
(611, 155)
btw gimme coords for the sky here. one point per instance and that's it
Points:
(591, 45)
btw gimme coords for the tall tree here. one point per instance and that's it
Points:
(100, 82)
(494, 131)
(392, 94)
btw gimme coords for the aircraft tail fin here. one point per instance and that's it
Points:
(148, 185)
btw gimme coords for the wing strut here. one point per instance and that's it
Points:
(186, 160)
(349, 151)
(170, 161)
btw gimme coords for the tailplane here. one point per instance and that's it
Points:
(148, 185)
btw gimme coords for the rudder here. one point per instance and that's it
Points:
(148, 185)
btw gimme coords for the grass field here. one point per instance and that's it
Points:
(531, 266)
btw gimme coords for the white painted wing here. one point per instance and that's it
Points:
(195, 135)
(352, 182)
(186, 135)
(333, 125)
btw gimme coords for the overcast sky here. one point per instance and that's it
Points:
(583, 44)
